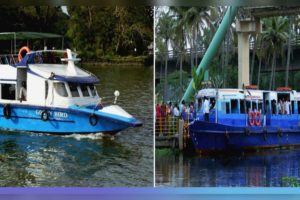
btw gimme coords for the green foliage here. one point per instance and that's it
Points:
(94, 32)
(290, 181)
(197, 79)
(166, 152)
(174, 88)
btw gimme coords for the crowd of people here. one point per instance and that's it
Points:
(167, 116)
(183, 111)
(283, 107)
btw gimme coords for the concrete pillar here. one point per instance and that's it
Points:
(244, 28)
(180, 134)
(243, 59)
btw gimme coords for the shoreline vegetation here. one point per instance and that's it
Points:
(104, 35)
(121, 61)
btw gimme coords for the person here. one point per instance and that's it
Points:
(182, 110)
(158, 118)
(191, 105)
(213, 103)
(176, 112)
(163, 114)
(23, 92)
(206, 109)
(280, 107)
(169, 109)
(287, 107)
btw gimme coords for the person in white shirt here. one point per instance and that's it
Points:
(176, 112)
(287, 107)
(23, 92)
(206, 109)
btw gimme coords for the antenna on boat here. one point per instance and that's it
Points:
(71, 66)
(116, 93)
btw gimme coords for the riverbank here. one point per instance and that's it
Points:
(121, 61)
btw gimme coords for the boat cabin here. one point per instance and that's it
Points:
(233, 106)
(48, 77)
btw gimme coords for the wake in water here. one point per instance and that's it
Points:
(92, 136)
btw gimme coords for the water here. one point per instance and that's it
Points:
(264, 169)
(32, 159)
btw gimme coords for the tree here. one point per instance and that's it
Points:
(165, 30)
(274, 37)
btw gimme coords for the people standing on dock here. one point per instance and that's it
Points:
(206, 109)
(183, 110)
(176, 112)
(158, 118)
(169, 110)
(163, 111)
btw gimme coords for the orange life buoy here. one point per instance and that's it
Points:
(251, 117)
(21, 52)
(257, 119)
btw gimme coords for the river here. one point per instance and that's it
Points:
(35, 159)
(271, 168)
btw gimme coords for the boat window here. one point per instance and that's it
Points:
(74, 89)
(46, 89)
(248, 106)
(227, 108)
(93, 90)
(84, 89)
(273, 106)
(234, 106)
(60, 88)
(212, 103)
(242, 106)
(8, 91)
(298, 104)
(260, 107)
(254, 106)
(199, 103)
(293, 107)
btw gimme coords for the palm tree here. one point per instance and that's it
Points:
(165, 30)
(274, 38)
(196, 18)
(288, 53)
(179, 40)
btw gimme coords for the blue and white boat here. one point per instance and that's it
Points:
(46, 92)
(246, 119)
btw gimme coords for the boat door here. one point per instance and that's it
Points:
(267, 108)
(21, 78)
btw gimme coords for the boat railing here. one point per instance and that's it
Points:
(8, 59)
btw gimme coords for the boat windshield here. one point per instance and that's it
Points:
(60, 88)
(93, 90)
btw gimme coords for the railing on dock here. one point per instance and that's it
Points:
(171, 132)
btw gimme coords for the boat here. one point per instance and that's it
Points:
(45, 91)
(245, 119)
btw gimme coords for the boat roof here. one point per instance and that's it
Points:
(49, 65)
(60, 72)
(241, 94)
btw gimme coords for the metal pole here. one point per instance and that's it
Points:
(213, 47)
(62, 42)
(15, 39)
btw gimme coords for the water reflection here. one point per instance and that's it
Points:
(266, 169)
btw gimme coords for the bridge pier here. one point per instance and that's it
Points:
(244, 28)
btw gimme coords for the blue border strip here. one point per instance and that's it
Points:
(160, 191)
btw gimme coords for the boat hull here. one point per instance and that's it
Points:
(212, 137)
(60, 120)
